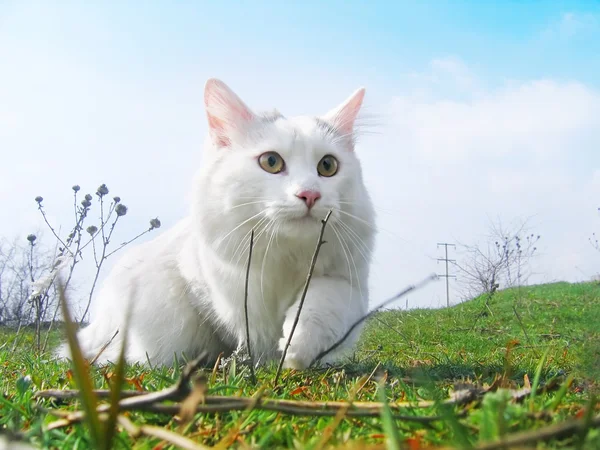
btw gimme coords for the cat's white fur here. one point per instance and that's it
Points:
(186, 286)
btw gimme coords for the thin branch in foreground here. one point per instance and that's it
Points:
(136, 398)
(319, 409)
(104, 347)
(252, 374)
(370, 313)
(130, 401)
(320, 242)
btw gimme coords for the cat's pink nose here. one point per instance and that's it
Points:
(309, 197)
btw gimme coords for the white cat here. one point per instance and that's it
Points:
(280, 177)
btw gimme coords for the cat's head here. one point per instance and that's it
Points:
(268, 169)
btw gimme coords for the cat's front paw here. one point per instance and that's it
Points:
(293, 359)
(294, 363)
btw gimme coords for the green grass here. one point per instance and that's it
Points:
(416, 355)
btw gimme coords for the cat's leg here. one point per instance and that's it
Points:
(331, 306)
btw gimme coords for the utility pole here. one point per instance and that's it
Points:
(447, 276)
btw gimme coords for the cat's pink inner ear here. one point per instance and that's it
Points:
(343, 116)
(227, 113)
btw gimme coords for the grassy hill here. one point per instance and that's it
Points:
(472, 338)
(459, 377)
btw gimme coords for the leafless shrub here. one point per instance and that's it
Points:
(501, 261)
(28, 274)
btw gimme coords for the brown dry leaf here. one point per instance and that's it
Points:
(136, 382)
(191, 402)
(384, 377)
(299, 390)
(414, 443)
(497, 383)
(421, 362)
(526, 383)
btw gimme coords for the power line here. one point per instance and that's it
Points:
(447, 275)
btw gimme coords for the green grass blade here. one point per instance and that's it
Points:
(393, 441)
(536, 380)
(562, 392)
(81, 375)
(587, 422)
(115, 391)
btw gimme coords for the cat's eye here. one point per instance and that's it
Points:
(271, 162)
(328, 166)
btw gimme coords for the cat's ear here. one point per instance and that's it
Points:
(227, 114)
(342, 117)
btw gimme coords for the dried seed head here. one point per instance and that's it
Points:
(92, 229)
(121, 209)
(117, 199)
(154, 223)
(102, 190)
(88, 197)
(86, 203)
(39, 199)
(76, 188)
(31, 238)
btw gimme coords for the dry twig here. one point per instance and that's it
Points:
(104, 347)
(320, 242)
(135, 400)
(317, 409)
(365, 317)
(252, 374)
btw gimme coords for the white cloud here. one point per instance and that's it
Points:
(537, 117)
(453, 68)
(572, 25)
(523, 150)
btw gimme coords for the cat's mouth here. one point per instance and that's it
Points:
(309, 216)
(297, 217)
(300, 216)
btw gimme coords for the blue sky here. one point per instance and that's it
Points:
(520, 39)
(483, 109)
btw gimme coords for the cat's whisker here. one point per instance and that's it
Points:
(254, 198)
(277, 234)
(247, 204)
(258, 233)
(351, 255)
(220, 241)
(376, 208)
(246, 237)
(245, 242)
(360, 219)
(262, 270)
(359, 246)
(365, 222)
(333, 228)
(358, 240)
(265, 223)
